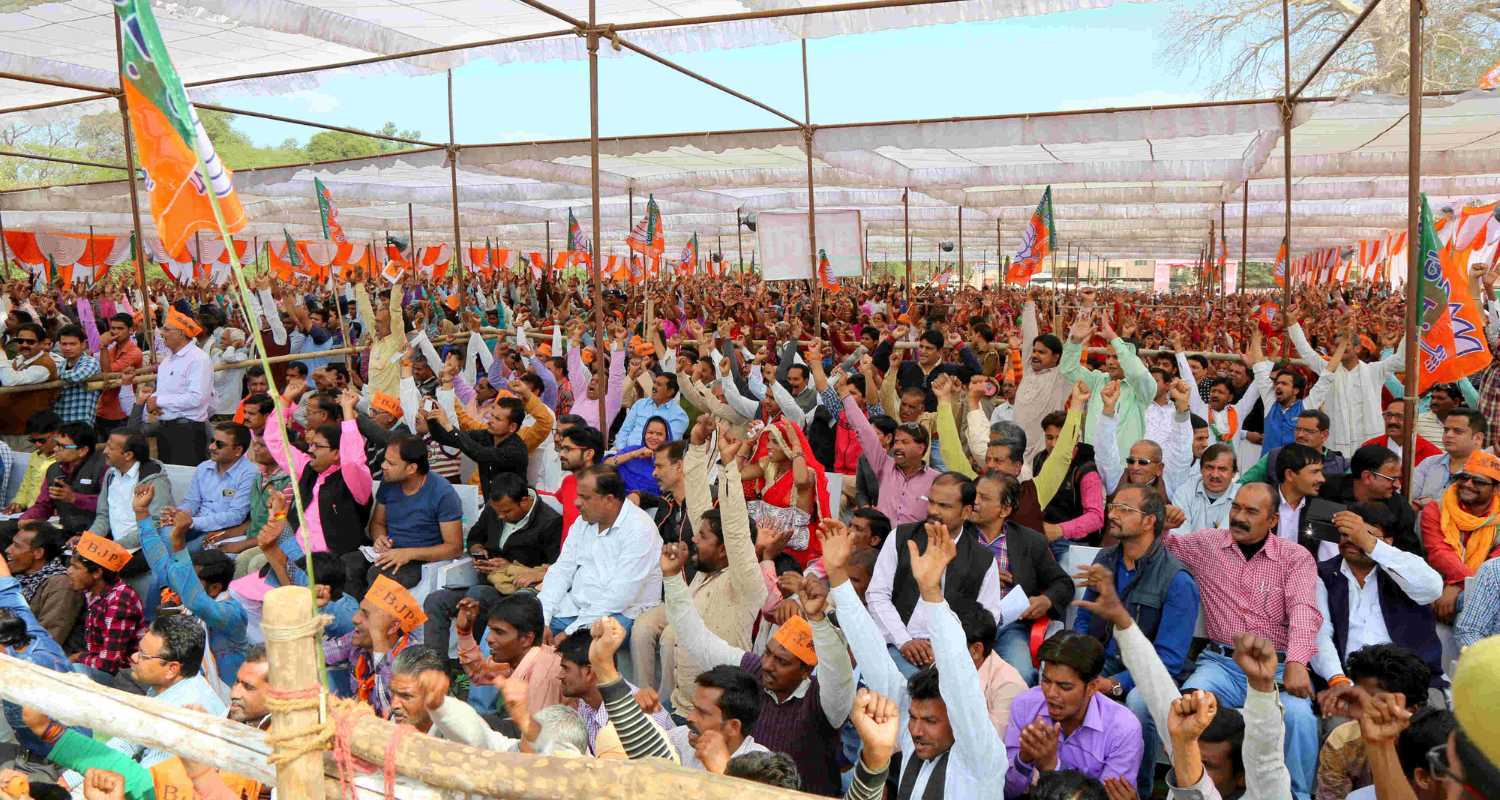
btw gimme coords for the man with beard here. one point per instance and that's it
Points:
(800, 713)
(1043, 387)
(579, 361)
(1394, 417)
(388, 621)
(34, 558)
(251, 688)
(1458, 529)
(579, 449)
(1255, 581)
(1160, 594)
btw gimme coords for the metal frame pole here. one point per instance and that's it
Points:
(453, 174)
(4, 250)
(906, 237)
(600, 350)
(411, 240)
(812, 226)
(1414, 254)
(135, 201)
(739, 237)
(1286, 146)
(1244, 241)
(961, 247)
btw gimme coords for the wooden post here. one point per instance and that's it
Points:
(1414, 254)
(999, 271)
(739, 239)
(135, 200)
(411, 240)
(291, 649)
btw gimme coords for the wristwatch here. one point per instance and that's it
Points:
(1117, 692)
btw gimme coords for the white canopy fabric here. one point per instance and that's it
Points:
(73, 40)
(1126, 184)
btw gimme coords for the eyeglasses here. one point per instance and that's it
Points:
(1391, 478)
(1124, 507)
(1139, 462)
(139, 656)
(319, 446)
(62, 446)
(1483, 483)
(1437, 764)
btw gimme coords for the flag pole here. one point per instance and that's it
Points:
(1414, 255)
(135, 202)
(601, 351)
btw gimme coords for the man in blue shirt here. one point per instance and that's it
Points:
(217, 505)
(417, 519)
(663, 403)
(1162, 598)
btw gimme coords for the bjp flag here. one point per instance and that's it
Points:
(171, 139)
(1452, 328)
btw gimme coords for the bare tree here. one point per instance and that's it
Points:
(1242, 38)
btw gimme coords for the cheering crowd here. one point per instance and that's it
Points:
(973, 543)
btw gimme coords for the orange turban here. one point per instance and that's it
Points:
(394, 599)
(182, 322)
(796, 636)
(384, 402)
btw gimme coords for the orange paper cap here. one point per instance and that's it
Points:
(544, 350)
(796, 636)
(182, 322)
(452, 302)
(393, 598)
(384, 402)
(1484, 464)
(640, 346)
(587, 355)
(102, 551)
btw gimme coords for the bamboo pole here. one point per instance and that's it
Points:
(294, 668)
(1286, 148)
(600, 353)
(453, 174)
(1414, 252)
(135, 200)
(812, 227)
(1244, 240)
(4, 248)
(411, 240)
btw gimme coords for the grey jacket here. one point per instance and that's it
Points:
(153, 474)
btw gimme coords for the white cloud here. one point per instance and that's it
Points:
(316, 102)
(1150, 97)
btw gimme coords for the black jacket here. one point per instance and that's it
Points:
(492, 458)
(1035, 570)
(535, 543)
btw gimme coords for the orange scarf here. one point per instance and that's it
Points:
(1471, 536)
(1234, 424)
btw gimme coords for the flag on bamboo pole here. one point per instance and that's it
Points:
(1452, 330)
(576, 240)
(825, 275)
(687, 262)
(1279, 270)
(1037, 241)
(648, 238)
(170, 138)
(1491, 78)
(330, 214)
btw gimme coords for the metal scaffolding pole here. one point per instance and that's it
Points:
(595, 290)
(1244, 242)
(812, 227)
(411, 238)
(1286, 148)
(906, 237)
(453, 172)
(961, 247)
(130, 179)
(1414, 252)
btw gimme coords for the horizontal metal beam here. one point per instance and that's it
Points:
(59, 160)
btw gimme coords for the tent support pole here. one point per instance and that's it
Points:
(961, 248)
(1223, 248)
(1414, 254)
(135, 200)
(906, 237)
(1244, 242)
(1286, 150)
(597, 292)
(453, 174)
(1343, 37)
(411, 238)
(739, 238)
(812, 227)
(4, 250)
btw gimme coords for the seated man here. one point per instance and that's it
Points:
(1342, 765)
(201, 583)
(388, 621)
(71, 485)
(1458, 530)
(113, 620)
(417, 519)
(35, 559)
(1204, 500)
(41, 432)
(610, 562)
(946, 734)
(169, 665)
(515, 634)
(1373, 594)
(515, 539)
(218, 500)
(972, 574)
(1162, 598)
(580, 686)
(804, 712)
(1311, 431)
(419, 698)
(1064, 723)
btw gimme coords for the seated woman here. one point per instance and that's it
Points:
(637, 464)
(789, 487)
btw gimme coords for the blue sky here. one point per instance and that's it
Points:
(1082, 59)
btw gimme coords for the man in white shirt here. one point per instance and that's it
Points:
(184, 392)
(1353, 401)
(610, 564)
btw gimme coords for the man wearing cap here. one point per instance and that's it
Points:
(801, 713)
(184, 391)
(1458, 530)
(113, 621)
(389, 620)
(385, 422)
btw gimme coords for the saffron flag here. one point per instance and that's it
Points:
(1037, 241)
(1491, 78)
(170, 138)
(1279, 271)
(825, 275)
(687, 262)
(331, 227)
(648, 238)
(1452, 330)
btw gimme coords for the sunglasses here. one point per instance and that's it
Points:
(26, 341)
(1482, 483)
(1139, 462)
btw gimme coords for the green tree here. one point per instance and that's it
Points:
(331, 145)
